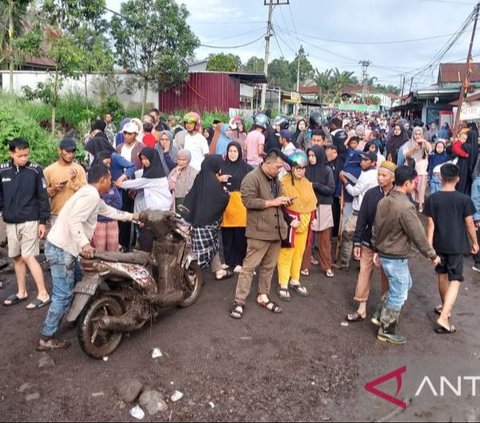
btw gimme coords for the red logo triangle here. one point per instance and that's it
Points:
(398, 375)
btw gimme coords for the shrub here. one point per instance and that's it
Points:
(16, 122)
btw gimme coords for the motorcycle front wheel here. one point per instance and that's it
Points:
(194, 280)
(94, 341)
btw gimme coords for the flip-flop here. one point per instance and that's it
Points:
(228, 274)
(354, 317)
(299, 289)
(442, 330)
(38, 303)
(14, 299)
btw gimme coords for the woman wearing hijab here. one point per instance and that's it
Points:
(223, 140)
(237, 133)
(395, 141)
(323, 182)
(203, 208)
(181, 178)
(234, 221)
(166, 150)
(155, 194)
(300, 213)
(418, 149)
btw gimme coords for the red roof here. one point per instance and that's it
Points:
(455, 72)
(310, 89)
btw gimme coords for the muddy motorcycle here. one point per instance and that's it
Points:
(120, 292)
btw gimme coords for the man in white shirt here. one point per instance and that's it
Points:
(357, 189)
(195, 142)
(69, 237)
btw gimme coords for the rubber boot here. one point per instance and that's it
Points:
(386, 333)
(375, 319)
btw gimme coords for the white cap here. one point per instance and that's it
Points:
(130, 127)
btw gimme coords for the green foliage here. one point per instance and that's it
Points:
(15, 121)
(223, 62)
(156, 49)
(254, 64)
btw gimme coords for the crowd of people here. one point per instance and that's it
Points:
(285, 195)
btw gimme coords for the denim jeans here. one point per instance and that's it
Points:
(399, 281)
(65, 272)
(435, 184)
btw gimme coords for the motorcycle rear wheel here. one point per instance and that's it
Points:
(194, 279)
(96, 342)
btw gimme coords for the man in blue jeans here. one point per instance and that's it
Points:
(70, 237)
(396, 227)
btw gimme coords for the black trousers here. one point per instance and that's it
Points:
(234, 246)
(476, 257)
(336, 216)
(125, 228)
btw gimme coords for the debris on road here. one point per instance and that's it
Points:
(31, 397)
(137, 412)
(153, 402)
(129, 389)
(177, 395)
(156, 353)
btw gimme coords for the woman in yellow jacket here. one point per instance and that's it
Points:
(301, 213)
(234, 220)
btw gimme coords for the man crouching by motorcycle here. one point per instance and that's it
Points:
(70, 237)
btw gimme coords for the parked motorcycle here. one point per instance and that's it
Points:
(120, 292)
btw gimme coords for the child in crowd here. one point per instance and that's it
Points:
(436, 158)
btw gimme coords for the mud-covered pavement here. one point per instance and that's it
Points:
(299, 365)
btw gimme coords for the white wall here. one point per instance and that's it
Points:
(31, 78)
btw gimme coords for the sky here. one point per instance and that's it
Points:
(401, 38)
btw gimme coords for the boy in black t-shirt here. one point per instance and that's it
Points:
(450, 224)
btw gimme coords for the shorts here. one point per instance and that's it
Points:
(23, 239)
(452, 264)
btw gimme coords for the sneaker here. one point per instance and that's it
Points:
(52, 344)
(476, 268)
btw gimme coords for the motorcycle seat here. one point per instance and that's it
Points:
(138, 257)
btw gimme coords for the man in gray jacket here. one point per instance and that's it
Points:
(266, 227)
(396, 226)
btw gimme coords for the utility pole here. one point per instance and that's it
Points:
(271, 4)
(365, 64)
(299, 58)
(468, 72)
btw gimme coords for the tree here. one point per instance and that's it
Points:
(65, 20)
(254, 64)
(154, 43)
(339, 79)
(323, 80)
(16, 42)
(223, 62)
(279, 73)
(306, 68)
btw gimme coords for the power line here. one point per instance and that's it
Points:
(239, 46)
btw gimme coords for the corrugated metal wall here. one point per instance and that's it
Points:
(202, 91)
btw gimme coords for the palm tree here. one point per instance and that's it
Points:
(323, 81)
(339, 80)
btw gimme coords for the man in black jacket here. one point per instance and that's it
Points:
(339, 137)
(362, 245)
(25, 208)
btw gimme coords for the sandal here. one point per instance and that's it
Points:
(14, 299)
(299, 289)
(236, 311)
(228, 274)
(442, 330)
(329, 273)
(284, 294)
(305, 272)
(38, 303)
(355, 317)
(270, 306)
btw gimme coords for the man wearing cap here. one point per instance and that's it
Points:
(64, 177)
(362, 241)
(357, 189)
(131, 148)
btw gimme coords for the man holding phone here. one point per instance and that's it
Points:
(64, 177)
